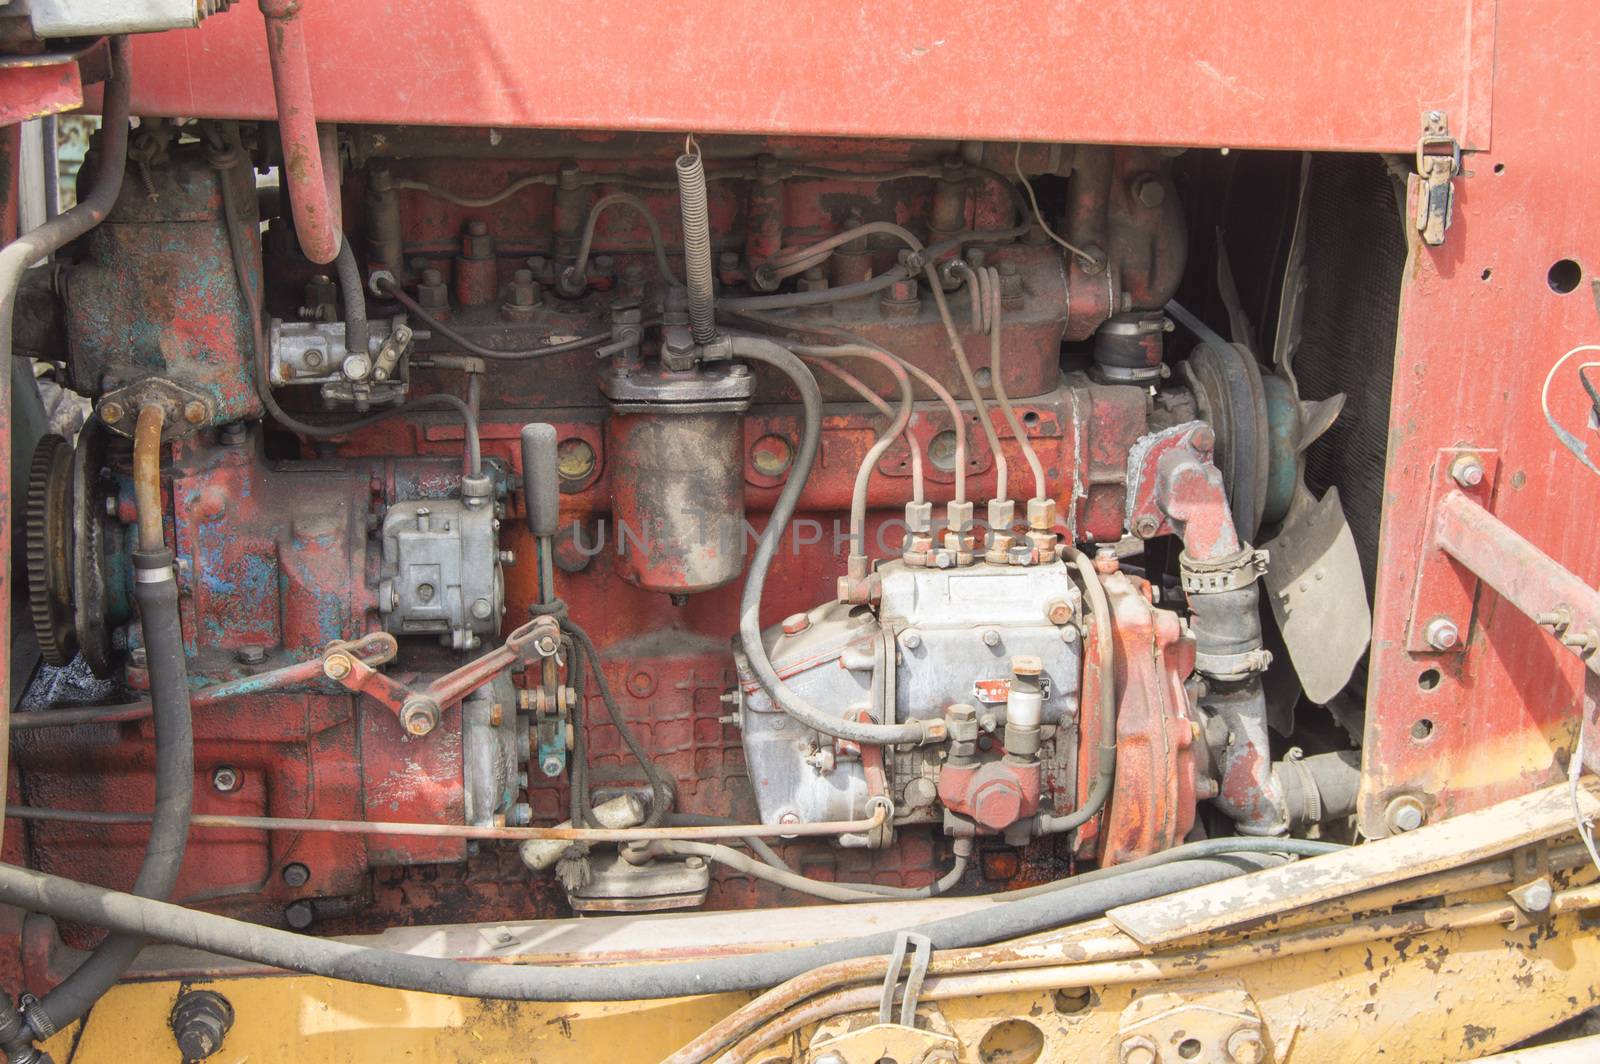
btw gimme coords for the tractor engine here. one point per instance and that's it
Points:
(876, 498)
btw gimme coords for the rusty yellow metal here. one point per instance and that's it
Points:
(1440, 996)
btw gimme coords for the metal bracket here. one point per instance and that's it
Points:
(1441, 604)
(1436, 170)
(921, 949)
(185, 409)
(1196, 1021)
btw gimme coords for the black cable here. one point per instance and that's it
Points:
(660, 786)
(997, 922)
(418, 311)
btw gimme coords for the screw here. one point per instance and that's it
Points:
(194, 411)
(299, 915)
(336, 667)
(111, 413)
(521, 815)
(481, 608)
(551, 766)
(1442, 633)
(1146, 526)
(991, 638)
(251, 655)
(694, 864)
(1149, 191)
(226, 779)
(296, 874)
(1058, 612)
(1533, 897)
(911, 640)
(1467, 471)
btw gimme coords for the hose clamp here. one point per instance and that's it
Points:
(154, 576)
(1227, 574)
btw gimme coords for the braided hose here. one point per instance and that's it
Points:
(696, 245)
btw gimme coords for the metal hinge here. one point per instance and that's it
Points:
(1438, 162)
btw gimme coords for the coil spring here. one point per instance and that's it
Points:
(696, 245)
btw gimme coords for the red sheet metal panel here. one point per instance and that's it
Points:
(1481, 325)
(1245, 73)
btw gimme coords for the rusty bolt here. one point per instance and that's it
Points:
(226, 779)
(1146, 526)
(111, 413)
(419, 716)
(1245, 1046)
(521, 815)
(551, 766)
(1442, 633)
(1467, 471)
(336, 667)
(1059, 611)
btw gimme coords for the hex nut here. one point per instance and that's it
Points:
(1245, 1046)
(226, 779)
(1467, 471)
(1138, 1050)
(1404, 813)
(1442, 633)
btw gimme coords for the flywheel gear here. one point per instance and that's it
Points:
(49, 538)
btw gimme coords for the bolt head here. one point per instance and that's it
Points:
(226, 779)
(337, 667)
(1467, 471)
(1442, 633)
(991, 638)
(419, 718)
(1404, 814)
(1138, 1051)
(1245, 1047)
(911, 640)
(551, 766)
(296, 874)
(194, 411)
(1059, 612)
(111, 413)
(1146, 526)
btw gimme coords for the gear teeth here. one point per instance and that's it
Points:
(48, 600)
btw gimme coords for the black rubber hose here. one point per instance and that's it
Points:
(356, 332)
(156, 591)
(68, 900)
(819, 720)
(660, 786)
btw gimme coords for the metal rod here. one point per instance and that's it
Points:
(460, 831)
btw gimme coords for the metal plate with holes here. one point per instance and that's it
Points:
(1445, 590)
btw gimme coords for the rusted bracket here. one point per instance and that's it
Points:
(1441, 604)
(1438, 162)
(419, 711)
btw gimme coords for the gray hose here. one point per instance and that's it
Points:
(156, 591)
(1105, 769)
(781, 358)
(696, 246)
(841, 892)
(356, 332)
(82, 902)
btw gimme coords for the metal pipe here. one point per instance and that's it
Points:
(147, 475)
(696, 245)
(997, 380)
(29, 248)
(857, 385)
(827, 722)
(821, 828)
(1105, 771)
(840, 892)
(310, 157)
(957, 348)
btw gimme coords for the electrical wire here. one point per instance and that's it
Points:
(1089, 261)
